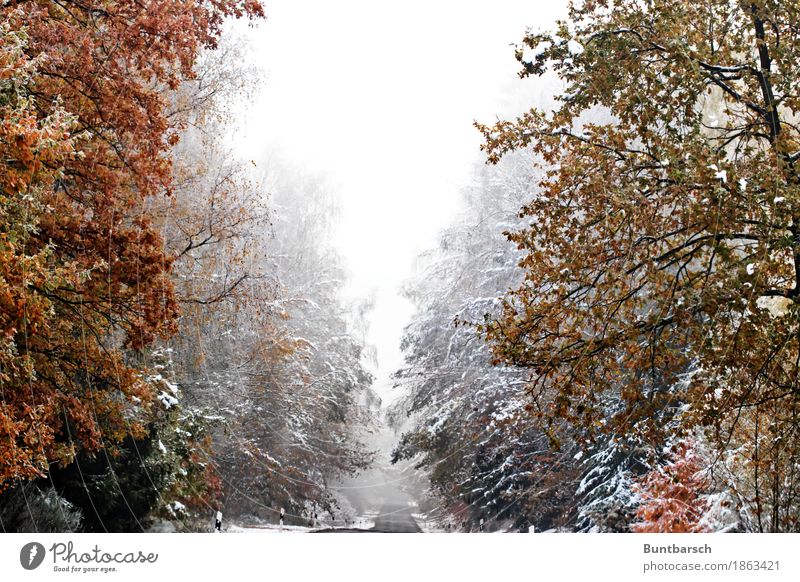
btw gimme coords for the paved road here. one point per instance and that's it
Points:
(395, 517)
(390, 491)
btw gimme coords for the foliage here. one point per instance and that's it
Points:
(29, 508)
(287, 373)
(34, 150)
(88, 75)
(672, 494)
(142, 286)
(661, 256)
(467, 425)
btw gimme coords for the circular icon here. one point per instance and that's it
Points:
(31, 555)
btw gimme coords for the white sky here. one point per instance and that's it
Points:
(380, 96)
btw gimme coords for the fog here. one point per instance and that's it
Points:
(381, 97)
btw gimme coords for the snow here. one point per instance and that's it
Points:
(436, 524)
(751, 268)
(776, 306)
(167, 400)
(365, 522)
(161, 447)
(175, 508)
(171, 386)
(778, 199)
(718, 174)
(538, 50)
(720, 515)
(574, 47)
(268, 528)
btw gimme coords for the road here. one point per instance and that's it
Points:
(385, 494)
(395, 518)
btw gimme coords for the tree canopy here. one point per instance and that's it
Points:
(85, 143)
(662, 252)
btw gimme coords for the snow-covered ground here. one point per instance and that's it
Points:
(365, 522)
(429, 524)
(268, 528)
(435, 522)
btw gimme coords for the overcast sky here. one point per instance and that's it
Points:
(381, 96)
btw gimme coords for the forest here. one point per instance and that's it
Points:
(605, 338)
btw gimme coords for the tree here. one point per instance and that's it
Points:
(265, 345)
(464, 420)
(85, 146)
(663, 252)
(33, 151)
(297, 370)
(673, 494)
